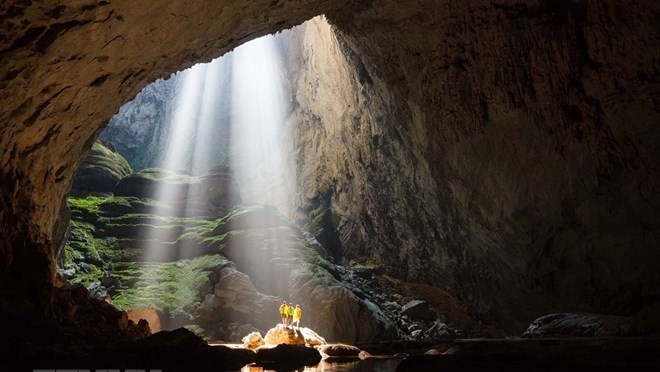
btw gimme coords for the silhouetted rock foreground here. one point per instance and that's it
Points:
(181, 350)
(585, 324)
(550, 354)
(177, 350)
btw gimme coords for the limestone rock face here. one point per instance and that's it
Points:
(236, 299)
(138, 130)
(495, 156)
(505, 150)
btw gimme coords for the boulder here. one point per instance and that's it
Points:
(148, 314)
(100, 172)
(179, 338)
(293, 336)
(284, 335)
(585, 324)
(418, 310)
(339, 350)
(219, 188)
(336, 311)
(98, 291)
(311, 338)
(253, 340)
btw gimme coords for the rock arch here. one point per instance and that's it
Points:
(67, 69)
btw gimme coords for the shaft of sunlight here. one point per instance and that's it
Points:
(259, 131)
(185, 118)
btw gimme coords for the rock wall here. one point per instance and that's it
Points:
(360, 162)
(139, 129)
(538, 124)
(503, 149)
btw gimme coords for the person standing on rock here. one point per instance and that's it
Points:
(283, 312)
(297, 314)
(289, 314)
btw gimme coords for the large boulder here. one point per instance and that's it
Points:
(148, 314)
(311, 338)
(100, 172)
(284, 335)
(253, 340)
(293, 336)
(339, 350)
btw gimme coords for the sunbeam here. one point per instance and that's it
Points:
(259, 111)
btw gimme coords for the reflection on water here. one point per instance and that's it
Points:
(366, 365)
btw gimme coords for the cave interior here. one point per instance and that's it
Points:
(496, 153)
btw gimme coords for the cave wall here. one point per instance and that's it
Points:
(539, 124)
(506, 150)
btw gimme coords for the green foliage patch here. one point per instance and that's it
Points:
(173, 287)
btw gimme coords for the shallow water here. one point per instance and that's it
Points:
(366, 365)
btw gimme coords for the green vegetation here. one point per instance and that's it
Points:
(176, 288)
(90, 255)
(111, 160)
(109, 233)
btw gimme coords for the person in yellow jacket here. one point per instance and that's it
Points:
(297, 314)
(283, 313)
(289, 313)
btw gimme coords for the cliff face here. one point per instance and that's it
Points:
(505, 150)
(508, 155)
(538, 125)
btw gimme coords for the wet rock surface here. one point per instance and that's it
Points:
(566, 354)
(286, 357)
(338, 350)
(582, 324)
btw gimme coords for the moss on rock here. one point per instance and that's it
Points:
(100, 172)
